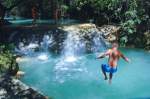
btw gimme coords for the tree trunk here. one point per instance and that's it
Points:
(14, 68)
(2, 12)
(54, 7)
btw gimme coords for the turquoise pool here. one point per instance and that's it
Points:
(81, 78)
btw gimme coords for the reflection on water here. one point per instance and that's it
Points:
(81, 78)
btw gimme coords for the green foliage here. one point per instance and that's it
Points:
(129, 14)
(134, 16)
(97, 4)
(6, 57)
(5, 61)
(64, 7)
(9, 3)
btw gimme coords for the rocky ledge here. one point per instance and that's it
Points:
(11, 88)
(147, 40)
(110, 32)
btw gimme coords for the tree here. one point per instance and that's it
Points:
(8, 5)
(131, 15)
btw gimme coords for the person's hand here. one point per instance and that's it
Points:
(128, 60)
(101, 55)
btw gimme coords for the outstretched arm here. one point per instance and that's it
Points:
(125, 58)
(102, 55)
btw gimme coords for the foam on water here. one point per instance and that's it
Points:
(32, 45)
(43, 57)
(70, 59)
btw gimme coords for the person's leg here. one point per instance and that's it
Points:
(103, 71)
(110, 77)
(112, 70)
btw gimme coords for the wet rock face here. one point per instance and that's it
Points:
(32, 41)
(86, 35)
(147, 40)
(29, 40)
(14, 89)
(110, 32)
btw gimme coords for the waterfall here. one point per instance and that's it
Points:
(46, 42)
(80, 40)
(71, 41)
(74, 45)
(98, 43)
(30, 45)
(77, 42)
(26, 49)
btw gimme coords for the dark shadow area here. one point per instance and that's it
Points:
(14, 89)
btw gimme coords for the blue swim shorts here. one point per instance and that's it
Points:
(109, 69)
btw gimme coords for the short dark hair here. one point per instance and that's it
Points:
(115, 44)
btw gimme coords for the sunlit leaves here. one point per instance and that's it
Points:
(9, 3)
(5, 57)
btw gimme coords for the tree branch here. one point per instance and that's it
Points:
(17, 3)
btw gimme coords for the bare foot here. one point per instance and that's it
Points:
(109, 82)
(19, 74)
(105, 78)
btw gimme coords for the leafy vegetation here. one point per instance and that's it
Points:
(131, 15)
(7, 60)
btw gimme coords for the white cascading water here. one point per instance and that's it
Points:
(98, 44)
(46, 42)
(29, 49)
(74, 47)
(26, 49)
